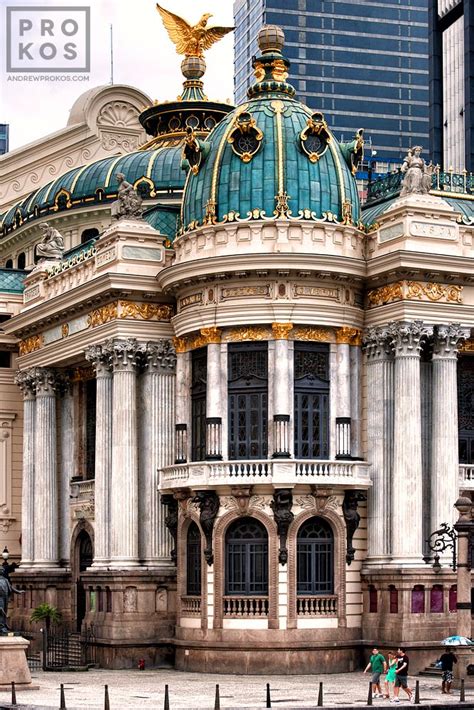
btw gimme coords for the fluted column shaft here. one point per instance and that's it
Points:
(25, 380)
(183, 423)
(100, 357)
(281, 390)
(213, 402)
(124, 480)
(379, 440)
(156, 451)
(67, 470)
(444, 442)
(407, 490)
(46, 484)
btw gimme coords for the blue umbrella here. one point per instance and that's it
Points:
(457, 641)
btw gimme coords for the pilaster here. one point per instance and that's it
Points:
(25, 379)
(67, 468)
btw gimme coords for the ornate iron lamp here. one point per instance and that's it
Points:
(442, 540)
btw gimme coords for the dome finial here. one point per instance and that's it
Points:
(271, 38)
(271, 67)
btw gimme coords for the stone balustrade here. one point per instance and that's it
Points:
(191, 606)
(466, 476)
(245, 607)
(317, 606)
(350, 474)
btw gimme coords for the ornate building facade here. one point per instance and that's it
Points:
(240, 410)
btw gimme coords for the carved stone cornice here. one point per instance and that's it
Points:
(126, 355)
(25, 379)
(281, 331)
(447, 339)
(101, 359)
(407, 337)
(349, 336)
(160, 356)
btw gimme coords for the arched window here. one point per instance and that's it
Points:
(311, 398)
(193, 561)
(246, 557)
(89, 234)
(21, 260)
(418, 599)
(393, 593)
(436, 599)
(9, 264)
(315, 558)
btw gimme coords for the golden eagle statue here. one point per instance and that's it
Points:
(191, 40)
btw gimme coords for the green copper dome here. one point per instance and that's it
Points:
(271, 157)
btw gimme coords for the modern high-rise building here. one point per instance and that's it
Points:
(364, 64)
(4, 138)
(452, 83)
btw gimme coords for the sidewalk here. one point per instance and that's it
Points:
(195, 691)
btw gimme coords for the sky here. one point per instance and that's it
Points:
(144, 57)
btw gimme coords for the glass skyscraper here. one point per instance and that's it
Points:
(363, 64)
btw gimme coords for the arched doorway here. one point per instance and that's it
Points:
(83, 559)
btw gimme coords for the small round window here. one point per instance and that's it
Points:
(192, 121)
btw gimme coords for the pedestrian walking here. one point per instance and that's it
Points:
(401, 676)
(377, 665)
(390, 677)
(447, 660)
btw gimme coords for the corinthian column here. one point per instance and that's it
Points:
(46, 483)
(213, 394)
(379, 361)
(124, 482)
(66, 469)
(407, 495)
(100, 357)
(26, 381)
(444, 442)
(156, 450)
(281, 391)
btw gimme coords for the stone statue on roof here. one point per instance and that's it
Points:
(418, 174)
(129, 202)
(51, 247)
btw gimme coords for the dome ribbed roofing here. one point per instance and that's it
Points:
(150, 171)
(271, 157)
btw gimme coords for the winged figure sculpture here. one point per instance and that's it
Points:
(191, 40)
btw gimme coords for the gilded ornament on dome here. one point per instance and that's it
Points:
(193, 152)
(315, 137)
(29, 345)
(246, 138)
(191, 40)
(210, 215)
(347, 212)
(282, 208)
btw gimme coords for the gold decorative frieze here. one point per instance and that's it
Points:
(180, 345)
(281, 331)
(146, 311)
(248, 332)
(81, 374)
(192, 341)
(467, 346)
(414, 291)
(65, 330)
(310, 333)
(102, 315)
(211, 335)
(348, 335)
(29, 345)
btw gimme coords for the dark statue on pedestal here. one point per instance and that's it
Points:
(6, 590)
(209, 506)
(352, 518)
(171, 520)
(281, 505)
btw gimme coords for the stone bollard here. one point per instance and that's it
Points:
(166, 705)
(106, 698)
(13, 693)
(462, 694)
(269, 701)
(217, 702)
(369, 697)
(62, 699)
(320, 695)
(417, 692)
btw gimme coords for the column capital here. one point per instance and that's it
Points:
(376, 343)
(100, 357)
(346, 335)
(47, 381)
(447, 339)
(281, 331)
(160, 356)
(25, 379)
(126, 355)
(407, 337)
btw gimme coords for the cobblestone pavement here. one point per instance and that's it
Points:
(196, 691)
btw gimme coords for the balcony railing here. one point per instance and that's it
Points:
(191, 606)
(245, 607)
(389, 185)
(317, 606)
(466, 476)
(353, 474)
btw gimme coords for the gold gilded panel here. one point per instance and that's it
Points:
(414, 290)
(249, 332)
(29, 345)
(102, 315)
(310, 333)
(146, 311)
(348, 335)
(281, 331)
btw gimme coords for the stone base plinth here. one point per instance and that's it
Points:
(13, 663)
